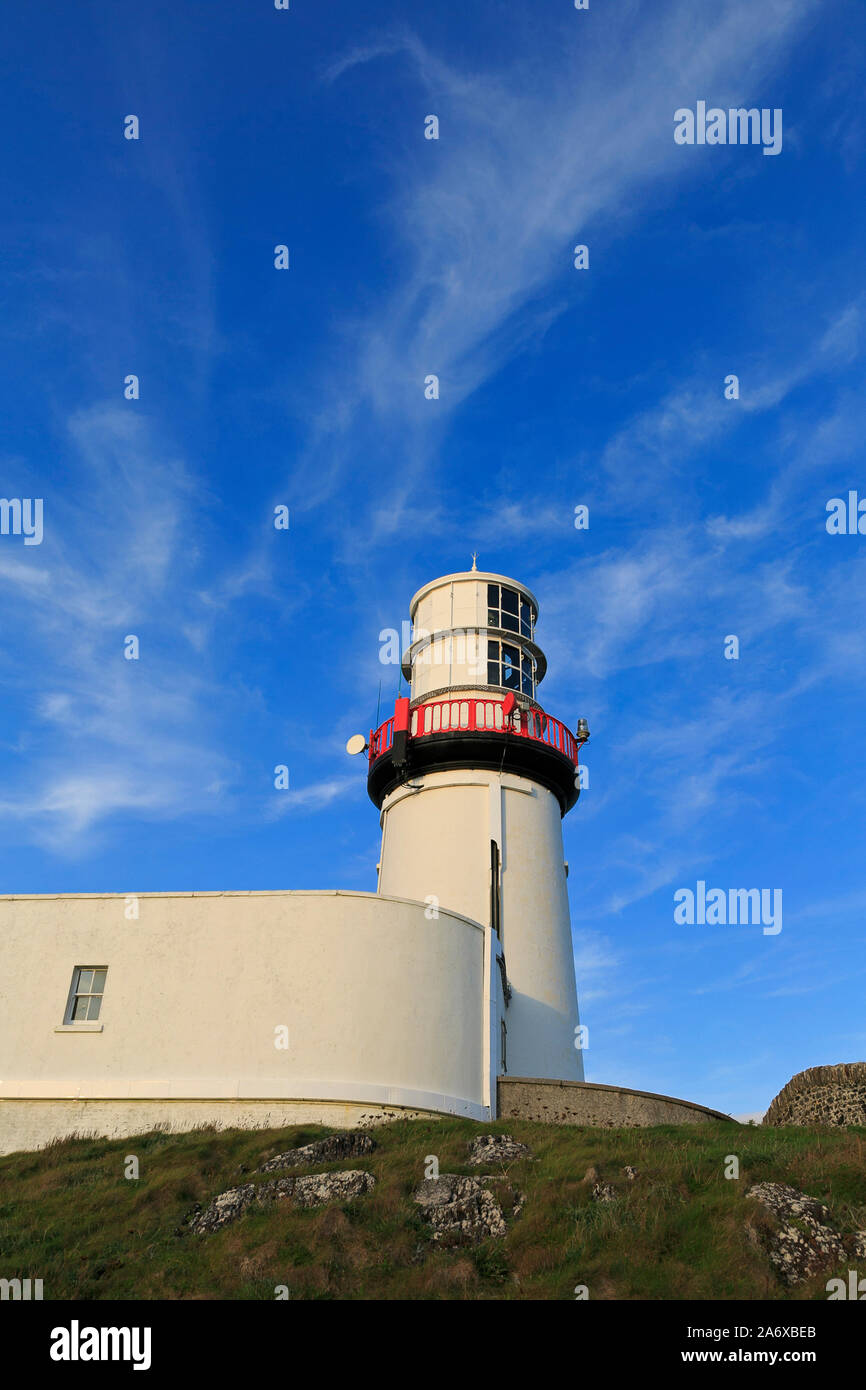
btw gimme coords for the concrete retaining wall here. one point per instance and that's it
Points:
(599, 1106)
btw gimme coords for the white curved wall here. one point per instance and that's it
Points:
(452, 662)
(536, 934)
(436, 842)
(436, 836)
(383, 1005)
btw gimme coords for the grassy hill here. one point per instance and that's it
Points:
(70, 1217)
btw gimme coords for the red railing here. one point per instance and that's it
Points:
(474, 715)
(382, 739)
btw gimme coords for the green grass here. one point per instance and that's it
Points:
(68, 1215)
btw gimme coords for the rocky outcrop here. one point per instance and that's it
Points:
(822, 1096)
(487, 1149)
(463, 1211)
(799, 1239)
(603, 1192)
(312, 1190)
(349, 1144)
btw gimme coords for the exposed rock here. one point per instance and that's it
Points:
(822, 1096)
(311, 1190)
(801, 1242)
(496, 1148)
(350, 1144)
(787, 1201)
(461, 1209)
(314, 1189)
(603, 1192)
(591, 1175)
(631, 1173)
(858, 1245)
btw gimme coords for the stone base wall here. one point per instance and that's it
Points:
(30, 1124)
(598, 1106)
(822, 1096)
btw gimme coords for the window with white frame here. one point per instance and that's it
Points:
(85, 994)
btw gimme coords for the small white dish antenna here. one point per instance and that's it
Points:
(356, 744)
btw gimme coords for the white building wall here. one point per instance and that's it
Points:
(384, 1007)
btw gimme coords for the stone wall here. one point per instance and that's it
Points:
(599, 1106)
(822, 1096)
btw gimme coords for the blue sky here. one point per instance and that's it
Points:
(558, 387)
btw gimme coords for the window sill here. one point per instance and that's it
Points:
(79, 1028)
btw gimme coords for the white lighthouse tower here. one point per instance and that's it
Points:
(472, 779)
(434, 995)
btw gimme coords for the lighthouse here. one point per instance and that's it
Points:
(448, 991)
(472, 778)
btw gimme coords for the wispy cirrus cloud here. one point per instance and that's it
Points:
(315, 797)
(484, 232)
(103, 736)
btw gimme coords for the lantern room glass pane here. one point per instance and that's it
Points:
(510, 667)
(510, 602)
(493, 595)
